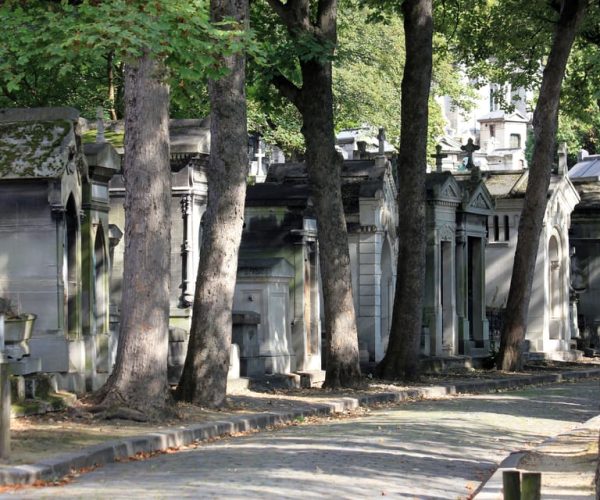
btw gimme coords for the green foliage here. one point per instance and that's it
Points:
(507, 42)
(57, 52)
(367, 74)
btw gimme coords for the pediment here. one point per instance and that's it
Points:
(449, 190)
(479, 201)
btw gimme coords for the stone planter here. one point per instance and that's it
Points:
(17, 332)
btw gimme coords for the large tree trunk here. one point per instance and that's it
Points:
(545, 121)
(204, 377)
(324, 166)
(314, 101)
(139, 379)
(402, 356)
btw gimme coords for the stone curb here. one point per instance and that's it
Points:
(492, 488)
(110, 451)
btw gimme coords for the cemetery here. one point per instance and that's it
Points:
(299, 249)
(62, 253)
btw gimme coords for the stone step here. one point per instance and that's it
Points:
(312, 378)
(572, 355)
(438, 364)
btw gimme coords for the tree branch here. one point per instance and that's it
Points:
(287, 89)
(294, 14)
(327, 19)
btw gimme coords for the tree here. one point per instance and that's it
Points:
(402, 357)
(312, 28)
(545, 122)
(204, 377)
(144, 325)
(151, 39)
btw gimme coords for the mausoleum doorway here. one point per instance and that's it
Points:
(555, 280)
(71, 270)
(100, 288)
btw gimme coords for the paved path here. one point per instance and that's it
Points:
(428, 449)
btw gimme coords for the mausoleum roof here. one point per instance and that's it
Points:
(499, 115)
(505, 184)
(587, 168)
(38, 142)
(589, 192)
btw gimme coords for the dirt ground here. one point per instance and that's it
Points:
(34, 438)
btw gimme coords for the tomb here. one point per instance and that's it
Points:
(53, 244)
(585, 259)
(369, 196)
(454, 315)
(279, 252)
(548, 327)
(471, 239)
(190, 145)
(440, 321)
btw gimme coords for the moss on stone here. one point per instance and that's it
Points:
(116, 139)
(32, 149)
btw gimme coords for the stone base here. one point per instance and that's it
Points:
(440, 364)
(26, 366)
(573, 355)
(313, 378)
(267, 364)
(71, 382)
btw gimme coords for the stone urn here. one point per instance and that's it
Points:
(17, 332)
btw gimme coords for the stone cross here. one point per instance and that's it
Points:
(563, 168)
(381, 138)
(439, 156)
(470, 148)
(100, 124)
(259, 157)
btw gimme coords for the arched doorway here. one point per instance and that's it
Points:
(555, 292)
(100, 288)
(387, 294)
(70, 269)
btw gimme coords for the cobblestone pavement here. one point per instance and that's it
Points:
(427, 449)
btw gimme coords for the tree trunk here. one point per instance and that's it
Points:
(545, 122)
(139, 379)
(324, 166)
(315, 103)
(204, 377)
(402, 356)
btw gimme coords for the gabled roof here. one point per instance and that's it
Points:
(506, 184)
(38, 143)
(477, 199)
(441, 186)
(500, 115)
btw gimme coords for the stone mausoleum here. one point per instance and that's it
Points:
(54, 251)
(61, 250)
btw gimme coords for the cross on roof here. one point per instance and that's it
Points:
(439, 156)
(470, 148)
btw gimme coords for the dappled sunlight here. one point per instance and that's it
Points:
(425, 449)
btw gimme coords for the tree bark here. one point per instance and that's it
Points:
(545, 122)
(324, 166)
(204, 377)
(139, 379)
(314, 101)
(402, 356)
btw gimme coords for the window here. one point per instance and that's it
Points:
(500, 230)
(515, 141)
(492, 131)
(496, 228)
